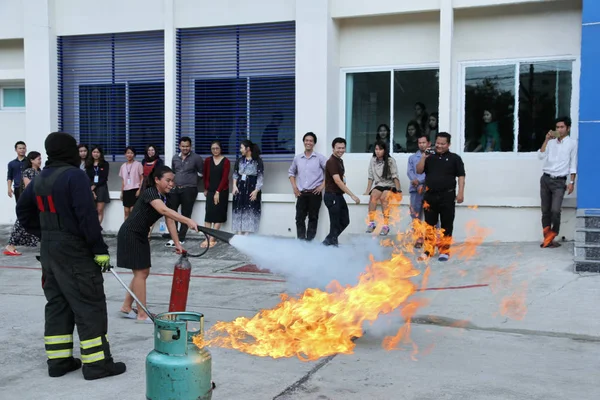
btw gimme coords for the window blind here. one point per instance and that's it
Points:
(111, 90)
(235, 83)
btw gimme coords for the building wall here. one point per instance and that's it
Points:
(11, 55)
(332, 36)
(11, 19)
(12, 122)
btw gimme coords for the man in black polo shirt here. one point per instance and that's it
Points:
(339, 216)
(441, 170)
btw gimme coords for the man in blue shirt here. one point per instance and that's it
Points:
(15, 169)
(417, 182)
(59, 205)
(307, 175)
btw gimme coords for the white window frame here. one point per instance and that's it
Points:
(461, 99)
(10, 109)
(385, 68)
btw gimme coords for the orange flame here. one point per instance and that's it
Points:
(513, 306)
(319, 323)
(322, 323)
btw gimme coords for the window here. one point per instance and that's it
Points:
(406, 101)
(237, 83)
(12, 98)
(511, 107)
(103, 116)
(231, 110)
(111, 90)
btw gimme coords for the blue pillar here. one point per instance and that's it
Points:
(587, 231)
(588, 191)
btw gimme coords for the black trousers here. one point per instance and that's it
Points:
(308, 204)
(552, 192)
(339, 217)
(17, 193)
(186, 198)
(74, 290)
(440, 206)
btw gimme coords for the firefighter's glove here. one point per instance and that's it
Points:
(103, 261)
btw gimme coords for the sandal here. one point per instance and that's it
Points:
(130, 315)
(204, 244)
(144, 321)
(12, 253)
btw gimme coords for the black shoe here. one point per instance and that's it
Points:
(102, 371)
(68, 365)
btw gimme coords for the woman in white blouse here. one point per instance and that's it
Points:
(383, 178)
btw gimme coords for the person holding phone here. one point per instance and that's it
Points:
(417, 181)
(559, 153)
(442, 170)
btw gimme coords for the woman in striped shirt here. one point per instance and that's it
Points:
(133, 246)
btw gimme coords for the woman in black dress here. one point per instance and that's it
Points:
(133, 247)
(216, 189)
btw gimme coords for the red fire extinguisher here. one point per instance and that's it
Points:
(181, 284)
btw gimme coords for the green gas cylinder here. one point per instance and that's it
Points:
(177, 369)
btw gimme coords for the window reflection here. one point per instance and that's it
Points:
(367, 107)
(368, 100)
(544, 95)
(489, 108)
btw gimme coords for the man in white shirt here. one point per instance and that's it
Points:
(559, 152)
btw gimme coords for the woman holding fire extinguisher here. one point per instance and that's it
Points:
(133, 246)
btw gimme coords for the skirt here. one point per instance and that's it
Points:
(246, 213)
(217, 213)
(133, 249)
(102, 195)
(20, 237)
(129, 197)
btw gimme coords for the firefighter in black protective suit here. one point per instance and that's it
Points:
(59, 203)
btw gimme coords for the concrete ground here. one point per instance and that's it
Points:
(467, 348)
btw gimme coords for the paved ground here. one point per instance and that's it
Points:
(552, 353)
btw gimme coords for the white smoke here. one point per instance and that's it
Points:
(311, 264)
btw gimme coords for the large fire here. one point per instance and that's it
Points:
(322, 323)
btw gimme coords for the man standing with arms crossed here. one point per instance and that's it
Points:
(559, 152)
(335, 187)
(308, 181)
(188, 166)
(15, 169)
(417, 182)
(441, 170)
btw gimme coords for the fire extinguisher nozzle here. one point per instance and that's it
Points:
(221, 235)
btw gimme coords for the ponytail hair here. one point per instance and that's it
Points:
(253, 148)
(157, 172)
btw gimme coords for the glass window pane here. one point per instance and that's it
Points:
(103, 117)
(13, 97)
(544, 94)
(367, 106)
(489, 108)
(416, 98)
